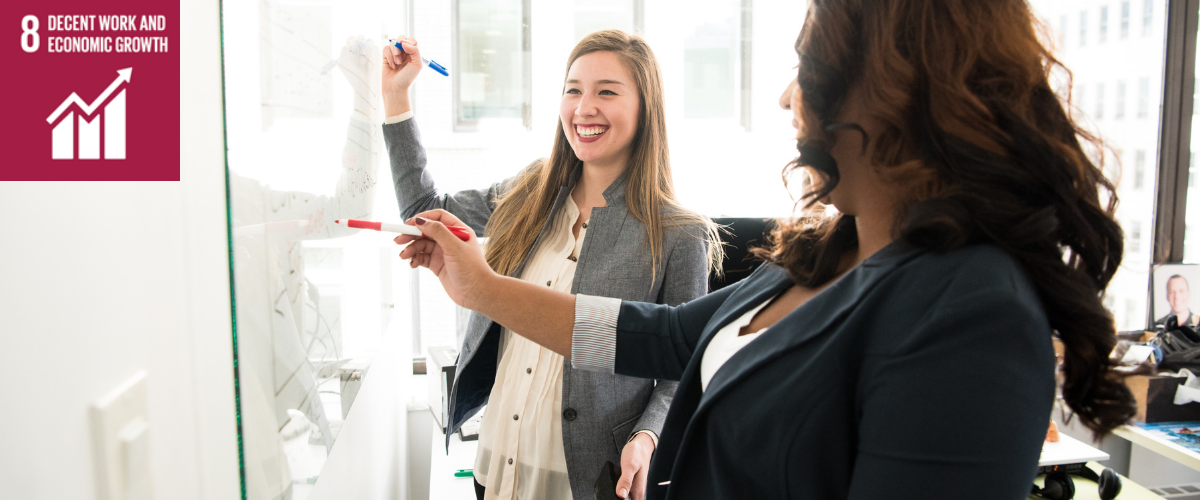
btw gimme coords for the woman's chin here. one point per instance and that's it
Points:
(588, 156)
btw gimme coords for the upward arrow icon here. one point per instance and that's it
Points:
(123, 75)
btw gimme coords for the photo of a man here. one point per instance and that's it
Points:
(1173, 297)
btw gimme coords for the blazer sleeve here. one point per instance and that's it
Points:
(415, 190)
(685, 278)
(640, 339)
(960, 404)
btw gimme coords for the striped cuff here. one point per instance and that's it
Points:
(653, 436)
(398, 118)
(594, 337)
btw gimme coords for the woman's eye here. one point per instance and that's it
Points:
(572, 91)
(607, 92)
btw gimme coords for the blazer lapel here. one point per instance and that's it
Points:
(755, 289)
(820, 314)
(559, 201)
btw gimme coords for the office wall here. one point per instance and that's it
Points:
(134, 278)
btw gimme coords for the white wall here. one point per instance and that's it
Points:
(139, 280)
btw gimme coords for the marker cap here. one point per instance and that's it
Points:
(438, 67)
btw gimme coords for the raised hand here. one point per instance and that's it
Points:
(360, 68)
(400, 70)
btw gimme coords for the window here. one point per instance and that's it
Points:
(591, 17)
(1103, 24)
(749, 47)
(491, 62)
(1191, 242)
(1192, 172)
(1147, 16)
(1139, 169)
(1192, 180)
(1143, 97)
(1120, 112)
(1133, 236)
(1125, 19)
(710, 58)
(1096, 74)
(1191, 202)
(1062, 32)
(1081, 97)
(1083, 28)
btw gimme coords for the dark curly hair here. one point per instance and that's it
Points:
(985, 150)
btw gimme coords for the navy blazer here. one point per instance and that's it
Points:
(916, 375)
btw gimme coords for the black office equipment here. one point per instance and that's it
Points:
(739, 235)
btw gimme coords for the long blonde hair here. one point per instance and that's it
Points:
(648, 189)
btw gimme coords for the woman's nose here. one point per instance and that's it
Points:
(586, 107)
(785, 100)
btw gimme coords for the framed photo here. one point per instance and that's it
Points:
(1174, 293)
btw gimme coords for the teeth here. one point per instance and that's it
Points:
(590, 131)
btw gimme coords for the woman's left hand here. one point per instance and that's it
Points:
(635, 464)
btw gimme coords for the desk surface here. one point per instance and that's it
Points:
(1159, 444)
(442, 483)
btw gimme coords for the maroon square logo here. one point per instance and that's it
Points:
(93, 90)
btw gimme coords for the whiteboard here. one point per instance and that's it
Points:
(314, 304)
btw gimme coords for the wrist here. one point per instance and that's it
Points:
(488, 284)
(648, 438)
(396, 103)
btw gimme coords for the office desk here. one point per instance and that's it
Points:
(442, 483)
(1157, 444)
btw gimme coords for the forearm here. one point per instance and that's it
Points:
(537, 313)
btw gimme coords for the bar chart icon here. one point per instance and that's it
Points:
(80, 125)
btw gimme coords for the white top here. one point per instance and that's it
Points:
(726, 343)
(520, 439)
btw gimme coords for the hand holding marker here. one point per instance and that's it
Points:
(432, 64)
(460, 232)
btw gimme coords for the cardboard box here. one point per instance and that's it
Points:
(1156, 399)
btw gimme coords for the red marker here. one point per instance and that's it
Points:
(461, 232)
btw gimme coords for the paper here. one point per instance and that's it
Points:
(1189, 392)
(1136, 355)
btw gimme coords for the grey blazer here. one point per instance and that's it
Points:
(600, 411)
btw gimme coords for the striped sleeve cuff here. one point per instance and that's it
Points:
(398, 118)
(594, 337)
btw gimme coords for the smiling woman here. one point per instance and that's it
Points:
(598, 216)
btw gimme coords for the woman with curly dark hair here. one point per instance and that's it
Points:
(900, 346)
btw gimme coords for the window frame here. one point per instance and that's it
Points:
(1175, 133)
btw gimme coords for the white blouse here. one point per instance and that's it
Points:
(726, 343)
(520, 438)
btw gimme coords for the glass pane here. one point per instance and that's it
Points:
(312, 300)
(1122, 108)
(732, 67)
(1191, 241)
(710, 60)
(592, 16)
(491, 60)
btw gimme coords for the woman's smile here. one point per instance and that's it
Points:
(588, 132)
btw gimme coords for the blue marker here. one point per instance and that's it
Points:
(432, 64)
